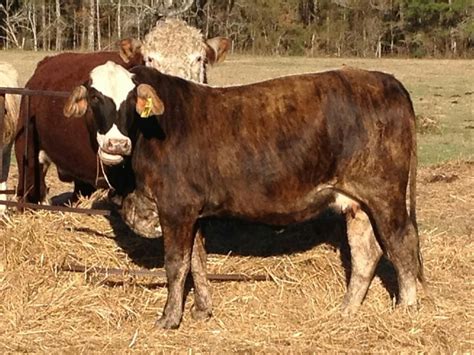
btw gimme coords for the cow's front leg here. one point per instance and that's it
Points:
(365, 254)
(178, 241)
(202, 308)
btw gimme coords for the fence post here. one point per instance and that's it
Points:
(25, 153)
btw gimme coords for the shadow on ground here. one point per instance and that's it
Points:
(243, 238)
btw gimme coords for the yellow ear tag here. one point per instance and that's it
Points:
(147, 109)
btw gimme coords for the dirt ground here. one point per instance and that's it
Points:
(44, 309)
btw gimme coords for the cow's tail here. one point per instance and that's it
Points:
(412, 179)
(412, 198)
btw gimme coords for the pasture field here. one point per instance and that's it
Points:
(45, 309)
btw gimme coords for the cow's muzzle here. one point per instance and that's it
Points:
(112, 151)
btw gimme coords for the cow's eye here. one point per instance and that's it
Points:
(149, 59)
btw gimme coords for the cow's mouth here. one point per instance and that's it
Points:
(110, 159)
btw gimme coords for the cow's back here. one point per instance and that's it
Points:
(63, 72)
(331, 118)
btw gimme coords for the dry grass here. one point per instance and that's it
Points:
(425, 125)
(43, 309)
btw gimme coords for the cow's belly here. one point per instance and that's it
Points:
(67, 144)
(284, 210)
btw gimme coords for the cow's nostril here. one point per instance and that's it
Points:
(108, 145)
(118, 146)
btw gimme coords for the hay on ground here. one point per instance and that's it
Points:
(43, 309)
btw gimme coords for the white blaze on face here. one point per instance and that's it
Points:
(112, 80)
(115, 82)
(112, 135)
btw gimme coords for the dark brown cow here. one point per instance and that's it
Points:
(277, 152)
(66, 143)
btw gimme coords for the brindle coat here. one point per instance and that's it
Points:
(277, 152)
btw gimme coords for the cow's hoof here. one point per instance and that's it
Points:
(167, 323)
(410, 308)
(199, 314)
(349, 309)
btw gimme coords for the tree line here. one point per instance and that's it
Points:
(365, 28)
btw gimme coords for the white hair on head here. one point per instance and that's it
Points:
(176, 49)
(113, 81)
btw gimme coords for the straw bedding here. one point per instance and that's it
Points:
(45, 309)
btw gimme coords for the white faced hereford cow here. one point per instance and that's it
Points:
(174, 48)
(8, 78)
(277, 152)
(72, 145)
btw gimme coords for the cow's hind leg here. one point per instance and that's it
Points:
(202, 308)
(178, 243)
(400, 241)
(365, 254)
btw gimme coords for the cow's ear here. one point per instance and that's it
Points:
(217, 48)
(148, 102)
(129, 48)
(76, 103)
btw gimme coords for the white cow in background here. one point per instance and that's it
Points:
(8, 78)
(175, 48)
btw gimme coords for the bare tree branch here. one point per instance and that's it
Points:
(170, 8)
(13, 23)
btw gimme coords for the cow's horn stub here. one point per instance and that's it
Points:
(148, 102)
(76, 103)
